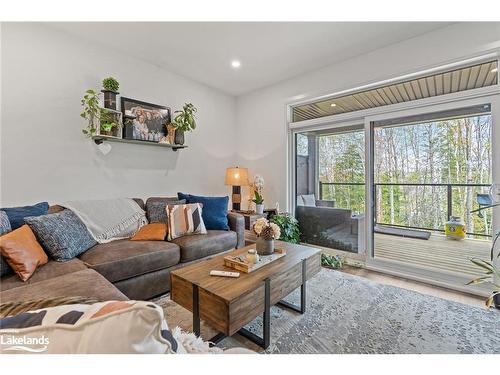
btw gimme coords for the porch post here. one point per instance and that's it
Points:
(495, 150)
(311, 164)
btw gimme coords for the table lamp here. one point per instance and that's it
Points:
(237, 177)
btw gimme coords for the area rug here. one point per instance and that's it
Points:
(351, 314)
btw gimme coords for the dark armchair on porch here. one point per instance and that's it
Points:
(322, 224)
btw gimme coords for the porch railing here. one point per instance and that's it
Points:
(449, 199)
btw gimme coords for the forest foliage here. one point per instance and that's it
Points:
(454, 151)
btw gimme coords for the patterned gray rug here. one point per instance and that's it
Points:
(350, 314)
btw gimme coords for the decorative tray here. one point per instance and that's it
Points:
(241, 264)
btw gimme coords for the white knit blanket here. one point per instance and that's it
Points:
(110, 219)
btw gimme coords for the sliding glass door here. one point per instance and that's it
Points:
(430, 173)
(397, 192)
(330, 188)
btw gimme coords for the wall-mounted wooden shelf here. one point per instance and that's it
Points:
(98, 139)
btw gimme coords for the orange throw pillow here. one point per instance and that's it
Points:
(151, 232)
(22, 251)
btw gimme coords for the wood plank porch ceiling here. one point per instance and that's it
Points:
(467, 78)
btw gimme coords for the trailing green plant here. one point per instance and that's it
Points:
(259, 199)
(110, 84)
(491, 272)
(91, 111)
(186, 119)
(332, 261)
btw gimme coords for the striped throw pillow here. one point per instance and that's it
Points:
(111, 327)
(184, 219)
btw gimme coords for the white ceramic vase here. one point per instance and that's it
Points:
(259, 209)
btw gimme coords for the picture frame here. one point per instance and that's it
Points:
(144, 121)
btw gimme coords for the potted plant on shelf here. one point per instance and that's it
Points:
(91, 112)
(110, 88)
(185, 121)
(109, 123)
(266, 234)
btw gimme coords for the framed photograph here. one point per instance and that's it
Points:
(144, 121)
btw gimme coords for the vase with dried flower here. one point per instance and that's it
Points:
(266, 234)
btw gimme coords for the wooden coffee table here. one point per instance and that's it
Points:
(228, 304)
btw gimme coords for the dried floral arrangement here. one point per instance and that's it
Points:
(266, 230)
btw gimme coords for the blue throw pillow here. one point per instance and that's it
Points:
(214, 212)
(63, 235)
(16, 215)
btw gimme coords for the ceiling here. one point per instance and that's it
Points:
(462, 79)
(269, 52)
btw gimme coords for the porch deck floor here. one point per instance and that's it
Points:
(437, 252)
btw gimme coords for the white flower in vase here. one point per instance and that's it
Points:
(259, 225)
(258, 183)
(276, 230)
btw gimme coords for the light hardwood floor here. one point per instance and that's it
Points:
(438, 247)
(438, 252)
(423, 288)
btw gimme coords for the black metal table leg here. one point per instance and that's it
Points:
(302, 308)
(196, 318)
(196, 310)
(216, 339)
(265, 340)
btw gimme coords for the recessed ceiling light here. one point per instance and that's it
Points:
(494, 70)
(235, 64)
(333, 105)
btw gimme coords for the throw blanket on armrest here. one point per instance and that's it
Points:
(110, 219)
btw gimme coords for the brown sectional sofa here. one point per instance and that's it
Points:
(122, 269)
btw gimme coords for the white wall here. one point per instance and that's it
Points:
(261, 114)
(44, 153)
(45, 157)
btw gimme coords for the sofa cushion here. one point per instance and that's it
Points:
(151, 232)
(184, 219)
(4, 228)
(4, 223)
(17, 214)
(122, 259)
(15, 308)
(63, 235)
(47, 271)
(84, 283)
(140, 202)
(5, 269)
(95, 328)
(147, 286)
(22, 251)
(201, 245)
(309, 200)
(214, 210)
(156, 208)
